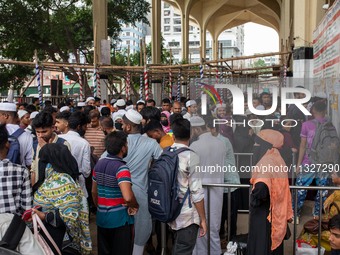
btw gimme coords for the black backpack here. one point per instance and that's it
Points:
(164, 203)
(325, 145)
(13, 154)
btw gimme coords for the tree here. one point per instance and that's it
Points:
(56, 28)
(259, 63)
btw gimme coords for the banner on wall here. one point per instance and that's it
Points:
(326, 47)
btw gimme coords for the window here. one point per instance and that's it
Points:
(127, 42)
(167, 21)
(127, 33)
(177, 29)
(175, 52)
(173, 44)
(166, 28)
(225, 43)
(166, 13)
(194, 43)
(166, 5)
(177, 21)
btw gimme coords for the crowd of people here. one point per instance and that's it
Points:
(91, 157)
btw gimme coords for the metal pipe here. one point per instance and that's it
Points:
(163, 238)
(320, 212)
(208, 205)
(229, 215)
(295, 192)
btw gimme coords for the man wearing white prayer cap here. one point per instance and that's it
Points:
(211, 152)
(220, 110)
(81, 104)
(191, 106)
(9, 116)
(141, 151)
(90, 101)
(24, 118)
(121, 105)
(64, 108)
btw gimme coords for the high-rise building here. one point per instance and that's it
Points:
(231, 40)
(131, 35)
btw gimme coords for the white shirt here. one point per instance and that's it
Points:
(120, 112)
(187, 116)
(28, 244)
(26, 144)
(81, 151)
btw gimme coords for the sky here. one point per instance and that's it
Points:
(259, 39)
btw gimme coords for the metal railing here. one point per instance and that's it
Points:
(294, 188)
(230, 186)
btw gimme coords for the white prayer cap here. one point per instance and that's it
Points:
(120, 102)
(140, 101)
(133, 116)
(197, 121)
(220, 106)
(8, 107)
(118, 117)
(21, 113)
(64, 108)
(113, 101)
(33, 114)
(81, 104)
(129, 107)
(190, 103)
(260, 107)
(89, 99)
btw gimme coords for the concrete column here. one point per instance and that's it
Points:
(156, 43)
(99, 14)
(203, 42)
(215, 46)
(156, 31)
(285, 26)
(185, 35)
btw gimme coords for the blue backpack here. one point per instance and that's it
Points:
(163, 189)
(13, 154)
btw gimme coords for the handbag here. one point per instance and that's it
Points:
(38, 226)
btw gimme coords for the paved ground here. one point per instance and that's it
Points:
(242, 224)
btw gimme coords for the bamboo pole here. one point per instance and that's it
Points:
(29, 84)
(87, 66)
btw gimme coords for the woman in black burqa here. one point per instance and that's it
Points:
(270, 200)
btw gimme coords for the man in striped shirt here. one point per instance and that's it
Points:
(94, 133)
(114, 198)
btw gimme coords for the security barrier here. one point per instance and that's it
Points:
(294, 194)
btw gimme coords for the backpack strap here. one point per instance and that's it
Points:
(18, 133)
(13, 234)
(35, 144)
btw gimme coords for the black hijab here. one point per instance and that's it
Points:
(260, 148)
(61, 159)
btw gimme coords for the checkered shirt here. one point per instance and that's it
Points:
(15, 188)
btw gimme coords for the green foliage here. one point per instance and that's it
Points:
(56, 28)
(259, 63)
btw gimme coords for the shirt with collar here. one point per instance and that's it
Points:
(26, 144)
(188, 178)
(81, 151)
(15, 188)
